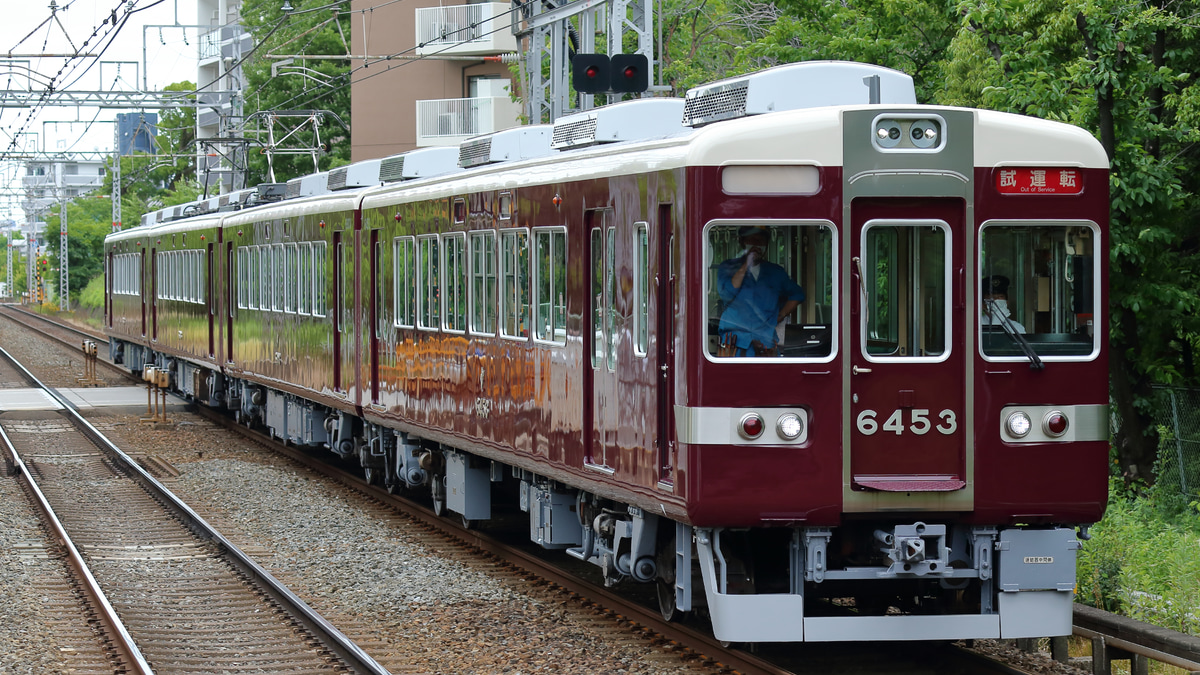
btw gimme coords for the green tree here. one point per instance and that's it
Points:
(88, 221)
(1125, 71)
(316, 28)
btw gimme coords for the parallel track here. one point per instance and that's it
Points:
(188, 599)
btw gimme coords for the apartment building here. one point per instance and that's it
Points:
(445, 84)
(222, 45)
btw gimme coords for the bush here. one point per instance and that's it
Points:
(92, 296)
(1144, 560)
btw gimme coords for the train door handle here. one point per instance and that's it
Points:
(858, 370)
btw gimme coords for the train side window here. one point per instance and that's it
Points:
(241, 278)
(279, 269)
(597, 296)
(291, 271)
(304, 279)
(778, 302)
(505, 205)
(429, 299)
(1038, 285)
(455, 265)
(404, 281)
(483, 282)
(550, 316)
(264, 277)
(319, 303)
(514, 273)
(906, 278)
(641, 285)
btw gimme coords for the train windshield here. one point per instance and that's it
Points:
(905, 278)
(1038, 281)
(770, 289)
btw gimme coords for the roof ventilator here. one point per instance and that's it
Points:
(639, 120)
(509, 145)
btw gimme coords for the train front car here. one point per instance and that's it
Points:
(895, 416)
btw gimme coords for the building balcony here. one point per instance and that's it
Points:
(210, 46)
(466, 30)
(451, 121)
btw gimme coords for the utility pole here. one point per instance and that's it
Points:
(8, 238)
(116, 179)
(64, 295)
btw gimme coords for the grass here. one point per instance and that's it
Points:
(1143, 560)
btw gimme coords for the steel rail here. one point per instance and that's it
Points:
(127, 652)
(329, 636)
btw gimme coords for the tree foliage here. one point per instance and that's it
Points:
(317, 28)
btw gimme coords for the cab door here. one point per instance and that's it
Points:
(907, 356)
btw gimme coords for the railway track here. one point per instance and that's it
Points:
(169, 592)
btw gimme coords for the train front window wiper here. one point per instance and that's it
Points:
(999, 318)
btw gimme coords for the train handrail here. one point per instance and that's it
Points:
(1138, 637)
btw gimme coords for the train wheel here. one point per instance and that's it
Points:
(371, 475)
(468, 523)
(665, 583)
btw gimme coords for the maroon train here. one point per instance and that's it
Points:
(563, 311)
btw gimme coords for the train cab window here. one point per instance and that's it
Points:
(454, 315)
(550, 316)
(319, 303)
(641, 284)
(404, 279)
(1038, 290)
(429, 299)
(597, 296)
(905, 279)
(483, 282)
(770, 289)
(514, 275)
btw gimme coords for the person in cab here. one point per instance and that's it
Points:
(758, 297)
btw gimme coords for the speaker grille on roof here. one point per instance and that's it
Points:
(577, 132)
(391, 169)
(715, 103)
(475, 152)
(337, 178)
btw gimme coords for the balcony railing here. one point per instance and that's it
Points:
(452, 120)
(210, 45)
(482, 28)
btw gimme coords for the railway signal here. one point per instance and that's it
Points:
(630, 73)
(619, 74)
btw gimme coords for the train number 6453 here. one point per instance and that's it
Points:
(918, 422)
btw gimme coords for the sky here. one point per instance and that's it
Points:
(154, 48)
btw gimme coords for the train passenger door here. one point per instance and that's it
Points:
(601, 416)
(152, 298)
(907, 356)
(233, 277)
(664, 335)
(337, 251)
(210, 287)
(375, 292)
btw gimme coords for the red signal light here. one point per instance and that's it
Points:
(752, 426)
(592, 72)
(1055, 423)
(630, 73)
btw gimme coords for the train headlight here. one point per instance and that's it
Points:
(751, 426)
(1018, 424)
(887, 133)
(924, 133)
(790, 426)
(1055, 423)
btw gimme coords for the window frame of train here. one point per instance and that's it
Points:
(483, 301)
(641, 288)
(907, 277)
(1051, 288)
(243, 270)
(266, 284)
(455, 281)
(809, 251)
(320, 304)
(404, 282)
(550, 271)
(291, 270)
(304, 278)
(514, 276)
(429, 280)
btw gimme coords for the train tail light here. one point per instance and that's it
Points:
(751, 426)
(1055, 423)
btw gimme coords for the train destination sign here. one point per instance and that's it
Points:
(1038, 181)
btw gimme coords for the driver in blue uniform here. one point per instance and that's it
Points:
(758, 296)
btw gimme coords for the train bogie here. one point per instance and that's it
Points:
(817, 373)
